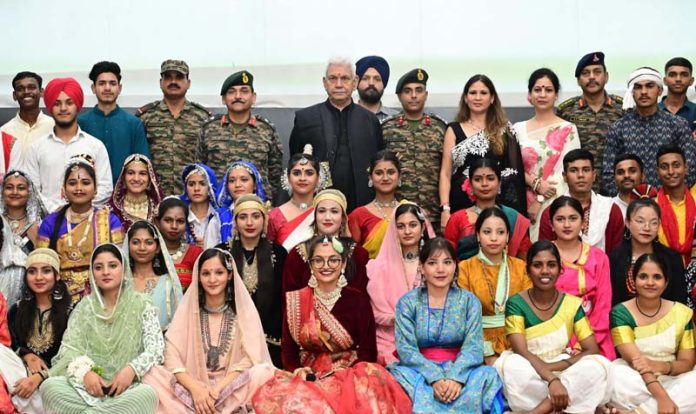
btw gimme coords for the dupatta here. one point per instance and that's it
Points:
(154, 191)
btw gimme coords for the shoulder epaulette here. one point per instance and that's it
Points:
(438, 117)
(617, 98)
(201, 107)
(568, 103)
(146, 108)
(212, 119)
(263, 120)
(391, 118)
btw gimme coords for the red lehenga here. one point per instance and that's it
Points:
(339, 346)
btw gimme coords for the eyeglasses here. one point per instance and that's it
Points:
(332, 262)
(335, 79)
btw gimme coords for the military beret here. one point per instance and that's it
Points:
(239, 78)
(175, 65)
(376, 62)
(594, 58)
(413, 76)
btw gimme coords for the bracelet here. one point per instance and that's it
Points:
(650, 382)
(535, 184)
(554, 379)
(446, 207)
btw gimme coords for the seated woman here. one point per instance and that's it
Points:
(77, 228)
(439, 341)
(329, 347)
(484, 185)
(172, 224)
(22, 210)
(37, 323)
(200, 186)
(137, 192)
(493, 277)
(112, 340)
(329, 219)
(153, 270)
(215, 355)
(540, 376)
(584, 270)
(395, 271)
(302, 180)
(241, 178)
(642, 223)
(368, 223)
(655, 339)
(260, 264)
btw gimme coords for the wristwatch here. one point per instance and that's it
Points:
(540, 198)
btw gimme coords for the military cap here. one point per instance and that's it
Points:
(413, 76)
(594, 58)
(175, 65)
(239, 78)
(376, 62)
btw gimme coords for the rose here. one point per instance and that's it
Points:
(556, 138)
(529, 159)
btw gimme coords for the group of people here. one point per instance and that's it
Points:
(140, 275)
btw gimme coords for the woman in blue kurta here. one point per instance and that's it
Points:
(439, 339)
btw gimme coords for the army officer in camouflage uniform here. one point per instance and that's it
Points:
(417, 139)
(173, 125)
(241, 135)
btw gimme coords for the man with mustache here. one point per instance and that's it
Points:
(417, 136)
(373, 76)
(678, 78)
(241, 135)
(628, 175)
(677, 203)
(173, 125)
(644, 129)
(594, 110)
(30, 123)
(48, 156)
(602, 221)
(344, 135)
(122, 133)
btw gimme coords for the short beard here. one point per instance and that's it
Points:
(370, 95)
(65, 124)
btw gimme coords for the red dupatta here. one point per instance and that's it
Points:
(669, 223)
(324, 341)
(291, 226)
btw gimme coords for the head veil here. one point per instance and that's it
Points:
(210, 177)
(224, 198)
(184, 343)
(35, 207)
(172, 281)
(154, 190)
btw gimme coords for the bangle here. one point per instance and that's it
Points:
(650, 382)
(554, 379)
(535, 184)
(446, 207)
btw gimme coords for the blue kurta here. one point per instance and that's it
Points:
(457, 325)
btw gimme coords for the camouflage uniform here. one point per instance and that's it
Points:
(257, 141)
(420, 151)
(172, 140)
(592, 126)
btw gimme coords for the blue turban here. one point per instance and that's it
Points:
(376, 62)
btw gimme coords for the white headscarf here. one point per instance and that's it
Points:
(638, 75)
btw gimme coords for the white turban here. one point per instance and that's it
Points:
(638, 75)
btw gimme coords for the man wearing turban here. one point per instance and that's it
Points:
(373, 77)
(644, 129)
(48, 156)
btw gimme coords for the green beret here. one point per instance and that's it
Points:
(239, 78)
(413, 76)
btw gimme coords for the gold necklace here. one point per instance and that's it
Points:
(381, 206)
(250, 275)
(136, 207)
(328, 299)
(75, 254)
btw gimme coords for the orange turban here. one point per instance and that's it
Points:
(68, 85)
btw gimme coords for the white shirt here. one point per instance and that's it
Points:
(199, 226)
(622, 205)
(26, 136)
(48, 156)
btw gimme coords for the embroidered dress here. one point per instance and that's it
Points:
(587, 381)
(339, 346)
(75, 247)
(444, 343)
(154, 194)
(588, 278)
(130, 335)
(542, 153)
(658, 341)
(493, 285)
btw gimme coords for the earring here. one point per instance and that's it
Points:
(156, 262)
(399, 183)
(369, 182)
(627, 234)
(312, 281)
(422, 242)
(57, 294)
(342, 281)
(27, 294)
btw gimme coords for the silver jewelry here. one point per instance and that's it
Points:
(179, 251)
(218, 309)
(328, 299)
(411, 257)
(301, 206)
(381, 206)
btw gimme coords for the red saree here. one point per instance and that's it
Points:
(333, 344)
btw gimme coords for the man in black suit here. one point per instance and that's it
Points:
(343, 134)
